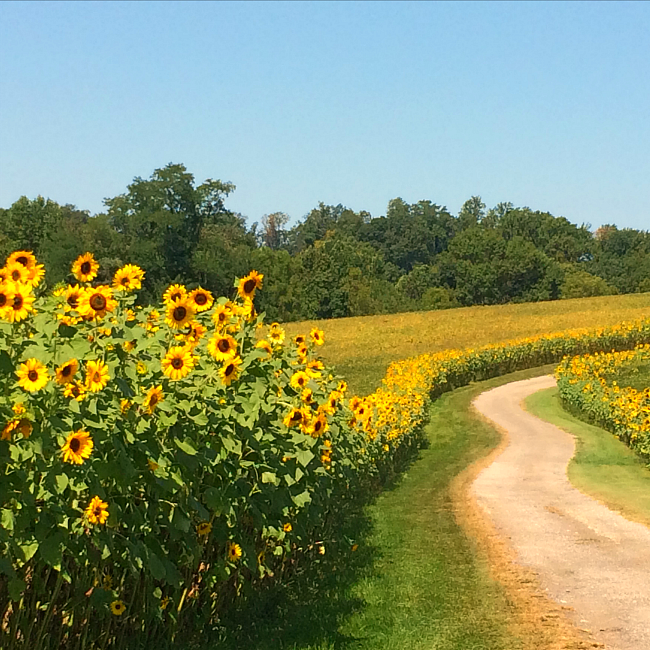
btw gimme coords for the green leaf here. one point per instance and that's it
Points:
(269, 477)
(51, 550)
(215, 500)
(29, 550)
(16, 587)
(304, 457)
(6, 366)
(301, 499)
(231, 445)
(61, 482)
(156, 567)
(186, 446)
(7, 519)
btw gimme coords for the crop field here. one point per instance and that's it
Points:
(362, 348)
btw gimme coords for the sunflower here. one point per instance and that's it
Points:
(196, 333)
(318, 426)
(299, 340)
(249, 284)
(266, 346)
(299, 380)
(18, 309)
(174, 293)
(67, 371)
(317, 336)
(307, 396)
(6, 297)
(230, 370)
(222, 347)
(85, 268)
(76, 390)
(314, 367)
(201, 299)
(35, 275)
(17, 273)
(204, 528)
(19, 408)
(97, 511)
(178, 362)
(78, 446)
(118, 607)
(342, 387)
(333, 402)
(287, 528)
(234, 551)
(128, 278)
(95, 302)
(125, 406)
(221, 315)
(72, 295)
(295, 417)
(26, 258)
(247, 310)
(154, 396)
(32, 375)
(179, 313)
(276, 334)
(96, 376)
(302, 353)
(25, 427)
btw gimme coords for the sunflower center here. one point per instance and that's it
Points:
(125, 281)
(200, 299)
(97, 511)
(249, 286)
(73, 301)
(3, 299)
(221, 317)
(22, 260)
(223, 345)
(97, 377)
(18, 302)
(176, 296)
(317, 425)
(85, 268)
(67, 371)
(32, 375)
(296, 416)
(153, 400)
(230, 368)
(75, 445)
(177, 363)
(98, 302)
(179, 313)
(16, 275)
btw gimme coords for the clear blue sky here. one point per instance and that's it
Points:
(540, 104)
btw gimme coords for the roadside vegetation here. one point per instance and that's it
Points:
(603, 467)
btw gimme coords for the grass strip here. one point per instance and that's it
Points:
(603, 467)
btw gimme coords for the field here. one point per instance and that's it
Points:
(362, 348)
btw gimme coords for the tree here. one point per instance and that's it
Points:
(273, 232)
(472, 213)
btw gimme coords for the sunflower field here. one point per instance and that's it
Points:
(160, 464)
(588, 386)
(157, 463)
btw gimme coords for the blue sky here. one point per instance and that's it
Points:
(541, 104)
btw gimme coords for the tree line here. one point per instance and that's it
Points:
(334, 262)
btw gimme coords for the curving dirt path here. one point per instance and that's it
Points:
(587, 557)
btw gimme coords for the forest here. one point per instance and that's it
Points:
(334, 262)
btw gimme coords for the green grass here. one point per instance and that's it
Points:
(417, 580)
(636, 375)
(602, 467)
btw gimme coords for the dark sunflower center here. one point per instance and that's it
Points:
(179, 313)
(249, 285)
(97, 377)
(301, 381)
(176, 296)
(223, 345)
(67, 371)
(32, 375)
(98, 302)
(85, 268)
(73, 301)
(318, 425)
(230, 368)
(3, 299)
(76, 392)
(22, 260)
(16, 275)
(296, 416)
(97, 511)
(153, 400)
(200, 299)
(125, 281)
(222, 317)
(75, 445)
(177, 363)
(18, 302)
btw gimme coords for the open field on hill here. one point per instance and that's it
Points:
(603, 467)
(362, 348)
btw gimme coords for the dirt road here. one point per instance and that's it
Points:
(587, 557)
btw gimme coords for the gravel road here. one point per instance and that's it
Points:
(587, 557)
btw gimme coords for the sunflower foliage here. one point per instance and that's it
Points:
(157, 463)
(588, 386)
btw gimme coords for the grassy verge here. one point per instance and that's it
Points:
(361, 348)
(416, 579)
(603, 467)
